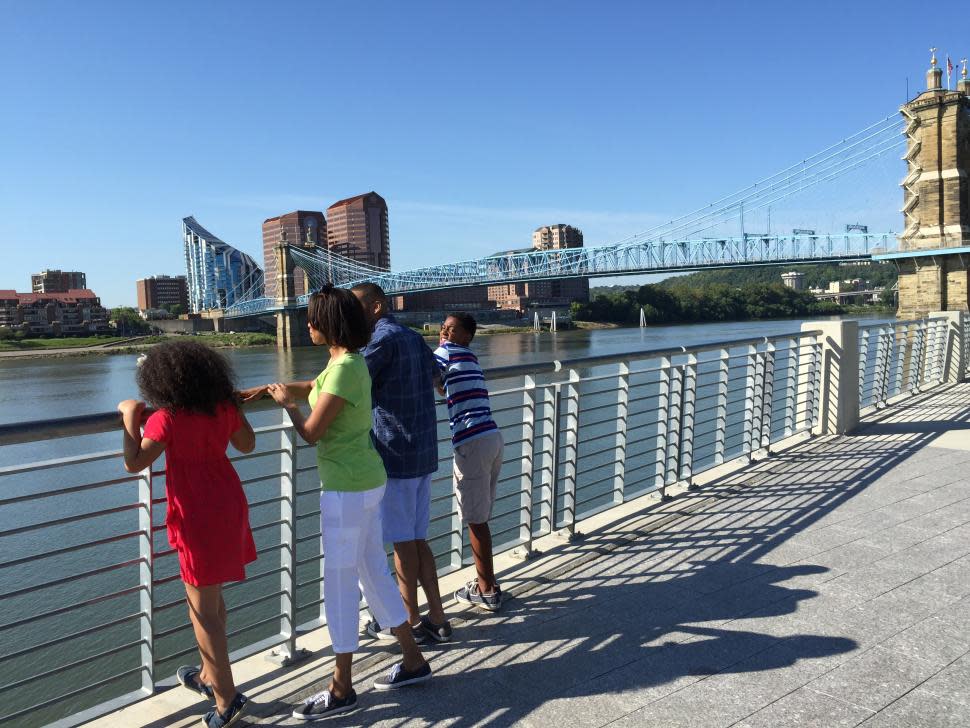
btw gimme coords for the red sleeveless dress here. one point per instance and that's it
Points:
(208, 516)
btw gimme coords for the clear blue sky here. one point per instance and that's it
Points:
(476, 121)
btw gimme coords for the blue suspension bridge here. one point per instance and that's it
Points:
(683, 244)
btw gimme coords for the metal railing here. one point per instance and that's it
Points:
(901, 357)
(92, 606)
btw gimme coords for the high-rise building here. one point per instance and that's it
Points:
(58, 281)
(217, 274)
(162, 291)
(306, 228)
(554, 237)
(357, 228)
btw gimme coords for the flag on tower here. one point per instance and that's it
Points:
(949, 70)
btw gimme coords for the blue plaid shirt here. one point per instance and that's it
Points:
(405, 429)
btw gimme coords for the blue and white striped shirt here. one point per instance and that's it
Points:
(469, 412)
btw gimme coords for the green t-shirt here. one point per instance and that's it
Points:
(346, 458)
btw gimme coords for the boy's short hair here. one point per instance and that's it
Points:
(339, 316)
(371, 292)
(466, 321)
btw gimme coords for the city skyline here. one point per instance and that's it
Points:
(466, 153)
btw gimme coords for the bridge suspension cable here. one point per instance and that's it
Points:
(830, 163)
(647, 248)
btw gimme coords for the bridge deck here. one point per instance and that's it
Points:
(828, 585)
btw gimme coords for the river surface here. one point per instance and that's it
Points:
(39, 388)
(69, 589)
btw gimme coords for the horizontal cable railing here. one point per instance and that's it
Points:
(90, 588)
(901, 357)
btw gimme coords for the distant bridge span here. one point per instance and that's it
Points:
(630, 258)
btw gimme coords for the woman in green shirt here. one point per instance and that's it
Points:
(352, 481)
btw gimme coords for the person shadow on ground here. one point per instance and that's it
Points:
(609, 642)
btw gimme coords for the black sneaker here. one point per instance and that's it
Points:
(398, 677)
(373, 628)
(437, 632)
(188, 677)
(324, 705)
(215, 719)
(471, 594)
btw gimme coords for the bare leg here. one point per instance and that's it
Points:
(407, 563)
(203, 677)
(481, 540)
(342, 680)
(207, 612)
(413, 659)
(428, 574)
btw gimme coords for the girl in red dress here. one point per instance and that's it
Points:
(196, 417)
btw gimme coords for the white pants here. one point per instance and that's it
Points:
(353, 553)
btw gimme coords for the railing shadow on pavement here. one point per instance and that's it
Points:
(652, 611)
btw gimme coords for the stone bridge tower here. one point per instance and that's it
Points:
(934, 248)
(291, 321)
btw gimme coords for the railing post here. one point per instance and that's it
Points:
(757, 404)
(146, 577)
(570, 439)
(900, 347)
(555, 392)
(456, 539)
(288, 653)
(672, 452)
(791, 388)
(720, 407)
(767, 407)
(839, 410)
(884, 360)
(685, 440)
(664, 406)
(622, 410)
(527, 474)
(863, 361)
(750, 383)
(806, 382)
(917, 358)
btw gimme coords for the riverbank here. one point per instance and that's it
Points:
(32, 348)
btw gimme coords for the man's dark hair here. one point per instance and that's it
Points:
(339, 316)
(466, 321)
(185, 375)
(371, 292)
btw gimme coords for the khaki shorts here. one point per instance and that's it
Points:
(478, 463)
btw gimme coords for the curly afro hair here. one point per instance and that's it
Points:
(185, 375)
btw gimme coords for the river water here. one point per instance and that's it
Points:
(79, 651)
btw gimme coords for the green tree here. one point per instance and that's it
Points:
(128, 321)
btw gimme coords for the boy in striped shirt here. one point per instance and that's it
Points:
(478, 451)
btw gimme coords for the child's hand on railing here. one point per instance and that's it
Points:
(253, 393)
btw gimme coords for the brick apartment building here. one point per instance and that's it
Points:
(552, 292)
(71, 313)
(307, 228)
(161, 291)
(58, 281)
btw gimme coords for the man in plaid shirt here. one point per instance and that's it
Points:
(402, 372)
